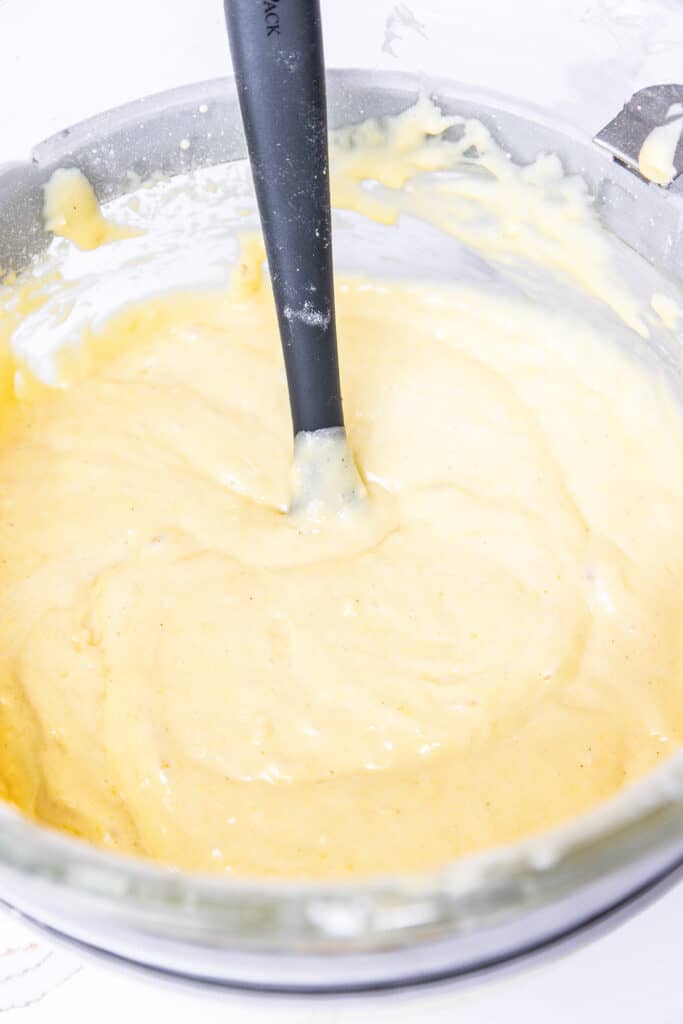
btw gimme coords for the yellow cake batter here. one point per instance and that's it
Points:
(488, 644)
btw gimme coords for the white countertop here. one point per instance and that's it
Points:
(62, 61)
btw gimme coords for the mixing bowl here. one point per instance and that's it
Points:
(391, 932)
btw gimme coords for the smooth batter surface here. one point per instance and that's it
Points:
(488, 645)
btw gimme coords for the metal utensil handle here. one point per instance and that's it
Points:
(278, 61)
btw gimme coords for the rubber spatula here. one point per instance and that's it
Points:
(277, 55)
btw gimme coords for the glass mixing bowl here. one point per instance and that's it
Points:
(396, 931)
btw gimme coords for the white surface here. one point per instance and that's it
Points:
(62, 61)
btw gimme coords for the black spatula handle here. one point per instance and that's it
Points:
(278, 62)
